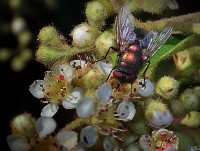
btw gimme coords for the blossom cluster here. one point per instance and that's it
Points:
(149, 114)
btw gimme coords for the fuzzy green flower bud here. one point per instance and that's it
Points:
(104, 42)
(93, 79)
(96, 13)
(47, 55)
(158, 115)
(84, 35)
(190, 99)
(188, 59)
(49, 36)
(152, 6)
(192, 119)
(177, 107)
(167, 87)
(24, 125)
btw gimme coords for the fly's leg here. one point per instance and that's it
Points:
(110, 73)
(113, 48)
(144, 85)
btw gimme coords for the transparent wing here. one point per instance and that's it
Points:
(125, 30)
(152, 42)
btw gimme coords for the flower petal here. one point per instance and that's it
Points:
(104, 93)
(145, 142)
(49, 110)
(45, 126)
(18, 143)
(104, 68)
(89, 136)
(67, 139)
(147, 90)
(126, 109)
(65, 70)
(37, 88)
(172, 4)
(85, 108)
(71, 101)
(76, 63)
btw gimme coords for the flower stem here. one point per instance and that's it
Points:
(77, 123)
(189, 23)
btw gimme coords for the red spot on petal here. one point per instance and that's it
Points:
(61, 77)
(126, 106)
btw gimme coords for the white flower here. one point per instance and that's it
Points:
(67, 139)
(56, 89)
(18, 143)
(45, 126)
(126, 109)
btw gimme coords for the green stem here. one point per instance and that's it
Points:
(184, 23)
(77, 123)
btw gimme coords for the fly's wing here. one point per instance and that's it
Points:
(125, 30)
(152, 42)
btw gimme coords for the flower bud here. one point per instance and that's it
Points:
(187, 60)
(84, 35)
(190, 100)
(24, 125)
(192, 119)
(158, 115)
(167, 87)
(96, 13)
(104, 42)
(49, 36)
(177, 107)
(93, 79)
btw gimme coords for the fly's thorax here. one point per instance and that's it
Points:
(130, 60)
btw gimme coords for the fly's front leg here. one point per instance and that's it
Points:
(113, 48)
(144, 73)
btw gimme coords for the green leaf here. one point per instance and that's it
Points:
(168, 49)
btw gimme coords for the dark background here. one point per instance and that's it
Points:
(15, 97)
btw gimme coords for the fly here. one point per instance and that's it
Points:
(132, 51)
